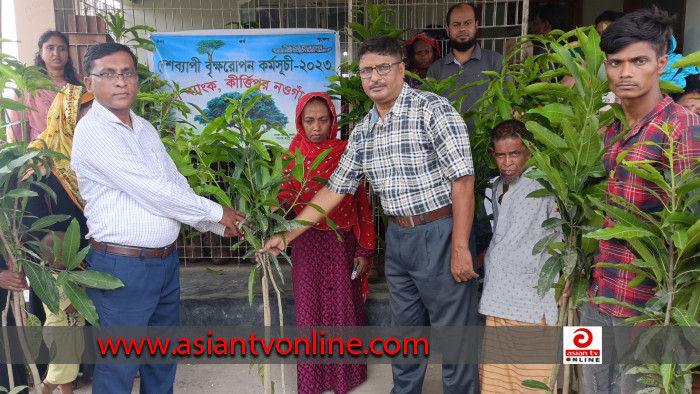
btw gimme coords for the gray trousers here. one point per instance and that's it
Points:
(423, 292)
(607, 378)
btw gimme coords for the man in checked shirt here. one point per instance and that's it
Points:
(635, 46)
(414, 150)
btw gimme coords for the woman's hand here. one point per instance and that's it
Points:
(363, 263)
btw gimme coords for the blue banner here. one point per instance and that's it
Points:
(288, 62)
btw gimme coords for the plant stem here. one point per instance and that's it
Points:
(281, 317)
(5, 338)
(267, 379)
(563, 316)
(671, 286)
(567, 368)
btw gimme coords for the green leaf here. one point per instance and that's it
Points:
(539, 193)
(33, 321)
(95, 280)
(298, 169)
(19, 193)
(570, 259)
(542, 243)
(683, 318)
(691, 60)
(320, 159)
(606, 300)
(622, 216)
(579, 290)
(77, 258)
(670, 87)
(250, 237)
(680, 239)
(287, 225)
(565, 92)
(545, 136)
(536, 384)
(260, 149)
(277, 266)
(619, 231)
(693, 239)
(667, 375)
(47, 221)
(550, 270)
(645, 171)
(71, 243)
(43, 284)
(214, 272)
(555, 112)
(636, 281)
(553, 223)
(251, 283)
(621, 266)
(82, 303)
(694, 303)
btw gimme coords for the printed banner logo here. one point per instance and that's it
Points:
(583, 345)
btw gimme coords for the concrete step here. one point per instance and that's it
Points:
(221, 298)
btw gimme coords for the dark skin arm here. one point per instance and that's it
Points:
(325, 199)
(463, 217)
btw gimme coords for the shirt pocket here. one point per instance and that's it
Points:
(157, 156)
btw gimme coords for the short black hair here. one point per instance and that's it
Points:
(449, 11)
(608, 15)
(654, 26)
(678, 96)
(552, 13)
(381, 45)
(99, 51)
(510, 129)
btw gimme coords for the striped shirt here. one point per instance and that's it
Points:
(412, 158)
(611, 282)
(134, 194)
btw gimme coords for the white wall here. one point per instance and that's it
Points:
(692, 29)
(33, 18)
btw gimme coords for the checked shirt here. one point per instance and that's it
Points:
(412, 158)
(610, 282)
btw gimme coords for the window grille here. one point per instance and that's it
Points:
(499, 20)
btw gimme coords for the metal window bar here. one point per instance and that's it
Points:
(499, 21)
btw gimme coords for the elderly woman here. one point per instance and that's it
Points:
(326, 293)
(54, 57)
(420, 52)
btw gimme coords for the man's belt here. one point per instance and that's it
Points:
(417, 220)
(132, 251)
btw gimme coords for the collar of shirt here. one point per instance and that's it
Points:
(646, 120)
(100, 112)
(476, 55)
(396, 110)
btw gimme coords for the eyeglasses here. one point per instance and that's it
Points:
(382, 69)
(128, 76)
